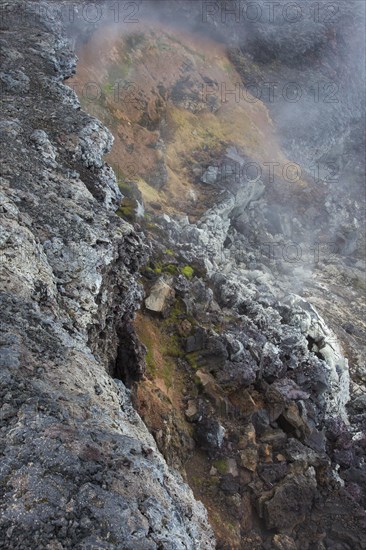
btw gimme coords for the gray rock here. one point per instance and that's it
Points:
(14, 81)
(210, 176)
(288, 389)
(209, 433)
(160, 297)
(79, 468)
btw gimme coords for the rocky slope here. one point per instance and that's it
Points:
(248, 345)
(79, 468)
(248, 353)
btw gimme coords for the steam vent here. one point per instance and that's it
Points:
(182, 244)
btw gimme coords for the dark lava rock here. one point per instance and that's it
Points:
(272, 473)
(261, 421)
(229, 485)
(209, 434)
(196, 342)
(286, 508)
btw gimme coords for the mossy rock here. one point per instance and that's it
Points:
(127, 210)
(192, 359)
(171, 269)
(187, 271)
(221, 466)
(174, 349)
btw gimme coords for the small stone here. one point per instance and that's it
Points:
(292, 415)
(289, 389)
(210, 176)
(184, 328)
(267, 452)
(160, 297)
(232, 467)
(196, 341)
(98, 390)
(192, 411)
(209, 433)
(213, 471)
(276, 438)
(249, 459)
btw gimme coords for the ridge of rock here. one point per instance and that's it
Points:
(79, 468)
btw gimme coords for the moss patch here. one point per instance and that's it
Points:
(187, 271)
(127, 210)
(221, 466)
(192, 359)
(162, 349)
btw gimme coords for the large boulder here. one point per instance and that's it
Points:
(285, 509)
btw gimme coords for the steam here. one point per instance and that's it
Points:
(310, 62)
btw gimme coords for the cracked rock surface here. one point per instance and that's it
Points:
(79, 468)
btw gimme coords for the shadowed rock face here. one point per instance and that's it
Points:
(79, 468)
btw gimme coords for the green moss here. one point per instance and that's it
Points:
(163, 46)
(192, 359)
(213, 481)
(119, 71)
(171, 269)
(198, 383)
(167, 375)
(157, 267)
(173, 348)
(177, 311)
(197, 481)
(108, 88)
(127, 210)
(169, 251)
(187, 271)
(126, 188)
(149, 357)
(152, 226)
(232, 527)
(150, 363)
(221, 466)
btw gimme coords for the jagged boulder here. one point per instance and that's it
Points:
(209, 433)
(285, 510)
